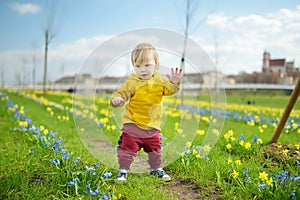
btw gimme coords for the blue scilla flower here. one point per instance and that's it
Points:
(32, 152)
(202, 112)
(90, 191)
(248, 179)
(23, 129)
(293, 194)
(42, 138)
(205, 158)
(57, 144)
(246, 172)
(31, 128)
(297, 162)
(105, 196)
(255, 138)
(36, 131)
(73, 182)
(262, 186)
(241, 137)
(77, 161)
(17, 114)
(97, 165)
(282, 176)
(106, 175)
(90, 169)
(55, 161)
(100, 124)
(186, 152)
(65, 156)
(295, 178)
(162, 136)
(245, 118)
(9, 104)
(63, 151)
(46, 144)
(52, 135)
(28, 120)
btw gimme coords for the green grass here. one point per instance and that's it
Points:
(32, 176)
(21, 174)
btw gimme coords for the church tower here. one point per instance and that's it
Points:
(266, 62)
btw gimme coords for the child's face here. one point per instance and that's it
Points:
(146, 70)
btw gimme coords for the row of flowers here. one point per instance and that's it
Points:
(79, 178)
(95, 108)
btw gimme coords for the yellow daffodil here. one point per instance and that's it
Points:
(285, 152)
(228, 146)
(42, 128)
(232, 139)
(259, 141)
(235, 174)
(206, 148)
(215, 132)
(46, 131)
(247, 145)
(188, 145)
(229, 161)
(241, 142)
(263, 176)
(200, 132)
(237, 162)
(269, 181)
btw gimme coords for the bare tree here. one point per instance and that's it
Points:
(2, 79)
(62, 71)
(2, 74)
(23, 78)
(34, 55)
(49, 33)
(18, 78)
(189, 11)
(190, 8)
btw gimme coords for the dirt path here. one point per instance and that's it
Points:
(190, 190)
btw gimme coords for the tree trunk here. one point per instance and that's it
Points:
(45, 63)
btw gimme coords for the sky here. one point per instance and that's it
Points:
(233, 33)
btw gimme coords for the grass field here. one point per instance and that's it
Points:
(51, 147)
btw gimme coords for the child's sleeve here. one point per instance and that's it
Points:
(123, 91)
(170, 88)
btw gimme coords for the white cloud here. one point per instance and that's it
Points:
(25, 8)
(219, 20)
(257, 23)
(244, 38)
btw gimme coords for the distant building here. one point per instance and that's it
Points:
(282, 70)
(81, 78)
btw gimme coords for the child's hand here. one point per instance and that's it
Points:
(117, 101)
(176, 76)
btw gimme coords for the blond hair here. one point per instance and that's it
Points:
(141, 52)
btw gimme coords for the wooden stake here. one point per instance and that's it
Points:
(287, 111)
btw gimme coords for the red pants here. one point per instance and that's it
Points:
(129, 145)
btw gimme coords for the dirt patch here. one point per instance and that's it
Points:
(281, 152)
(189, 190)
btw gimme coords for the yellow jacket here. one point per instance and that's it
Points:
(145, 100)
